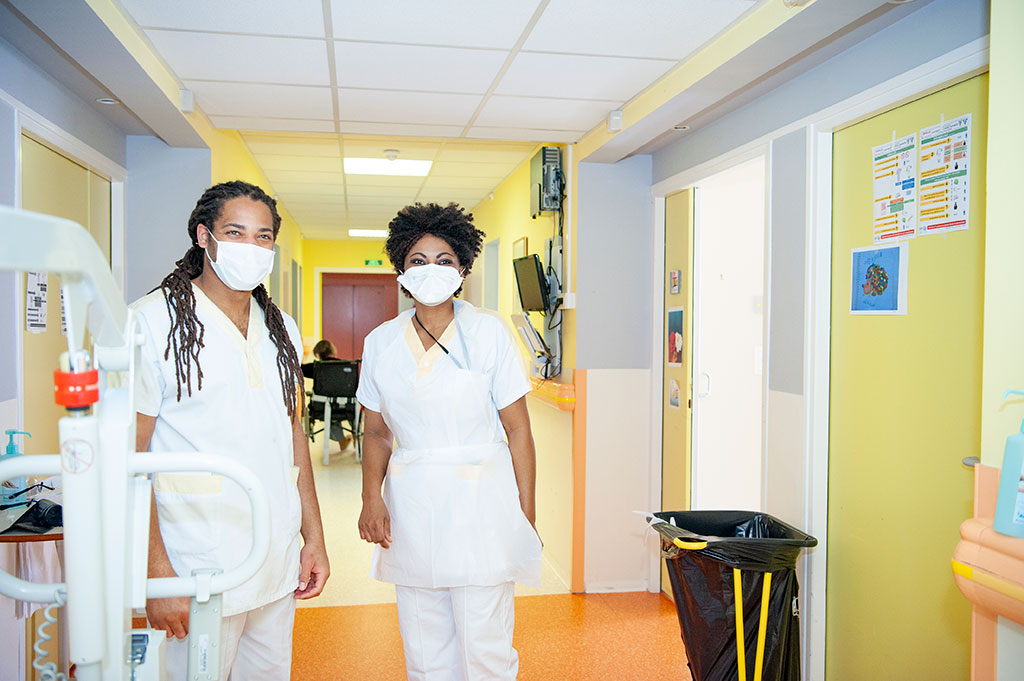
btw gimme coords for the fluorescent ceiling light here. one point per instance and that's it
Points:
(383, 166)
(374, 233)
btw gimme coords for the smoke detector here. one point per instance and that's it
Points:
(391, 154)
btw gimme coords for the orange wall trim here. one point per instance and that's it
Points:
(557, 395)
(579, 480)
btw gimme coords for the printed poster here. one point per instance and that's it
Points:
(674, 342)
(895, 189)
(945, 176)
(35, 302)
(879, 280)
(673, 393)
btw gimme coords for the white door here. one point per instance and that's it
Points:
(729, 339)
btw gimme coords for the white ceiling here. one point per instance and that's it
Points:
(332, 72)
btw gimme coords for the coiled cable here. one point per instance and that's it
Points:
(48, 670)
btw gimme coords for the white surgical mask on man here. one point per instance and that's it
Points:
(431, 284)
(241, 267)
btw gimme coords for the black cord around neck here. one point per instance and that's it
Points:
(416, 317)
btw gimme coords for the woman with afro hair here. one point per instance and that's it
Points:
(454, 522)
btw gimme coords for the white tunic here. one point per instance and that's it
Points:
(205, 520)
(450, 488)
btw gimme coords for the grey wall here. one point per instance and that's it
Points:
(788, 235)
(930, 32)
(8, 318)
(614, 260)
(162, 188)
(32, 86)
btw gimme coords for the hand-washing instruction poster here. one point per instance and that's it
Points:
(879, 280)
(35, 302)
(895, 189)
(945, 176)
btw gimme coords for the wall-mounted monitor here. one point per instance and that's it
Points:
(533, 285)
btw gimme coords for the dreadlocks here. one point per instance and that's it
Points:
(185, 337)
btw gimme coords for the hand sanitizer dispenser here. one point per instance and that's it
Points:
(1009, 517)
(18, 483)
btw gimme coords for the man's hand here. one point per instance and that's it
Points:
(314, 569)
(168, 614)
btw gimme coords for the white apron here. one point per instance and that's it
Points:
(456, 519)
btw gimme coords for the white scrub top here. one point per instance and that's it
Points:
(205, 519)
(450, 487)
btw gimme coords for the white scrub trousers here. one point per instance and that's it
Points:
(255, 645)
(459, 633)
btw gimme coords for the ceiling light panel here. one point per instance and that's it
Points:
(281, 124)
(372, 233)
(543, 113)
(406, 107)
(384, 166)
(272, 101)
(268, 17)
(669, 29)
(495, 23)
(609, 78)
(412, 67)
(291, 61)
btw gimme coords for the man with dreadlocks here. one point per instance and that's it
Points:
(221, 375)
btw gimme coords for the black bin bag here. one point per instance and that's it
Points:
(708, 554)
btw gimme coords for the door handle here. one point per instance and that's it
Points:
(707, 384)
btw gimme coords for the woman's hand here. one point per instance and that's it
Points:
(375, 522)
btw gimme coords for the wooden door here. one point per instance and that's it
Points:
(353, 306)
(676, 398)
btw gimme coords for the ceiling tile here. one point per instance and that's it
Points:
(394, 106)
(486, 132)
(269, 17)
(411, 129)
(463, 169)
(289, 162)
(271, 101)
(370, 149)
(406, 194)
(495, 23)
(610, 78)
(542, 113)
(463, 198)
(413, 67)
(262, 144)
(282, 124)
(462, 183)
(285, 188)
(211, 56)
(669, 29)
(313, 177)
(484, 154)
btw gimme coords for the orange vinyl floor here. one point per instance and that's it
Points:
(613, 637)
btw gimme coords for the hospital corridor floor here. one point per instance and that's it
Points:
(350, 632)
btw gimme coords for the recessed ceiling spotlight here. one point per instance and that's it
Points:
(370, 233)
(107, 100)
(681, 126)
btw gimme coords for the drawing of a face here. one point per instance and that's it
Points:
(877, 281)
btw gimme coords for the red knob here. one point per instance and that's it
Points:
(73, 390)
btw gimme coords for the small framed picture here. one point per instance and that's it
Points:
(675, 281)
(674, 339)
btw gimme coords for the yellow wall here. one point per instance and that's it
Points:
(1004, 247)
(905, 409)
(507, 217)
(322, 253)
(55, 185)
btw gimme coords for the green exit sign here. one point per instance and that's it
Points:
(373, 263)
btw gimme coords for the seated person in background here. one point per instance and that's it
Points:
(323, 350)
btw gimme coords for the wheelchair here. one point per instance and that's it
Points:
(333, 405)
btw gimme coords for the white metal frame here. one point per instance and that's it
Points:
(954, 66)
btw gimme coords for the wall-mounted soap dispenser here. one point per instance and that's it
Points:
(1009, 517)
(18, 483)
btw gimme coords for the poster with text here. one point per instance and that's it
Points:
(945, 177)
(879, 281)
(674, 341)
(895, 190)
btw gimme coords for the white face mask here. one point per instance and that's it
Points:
(431, 284)
(241, 267)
